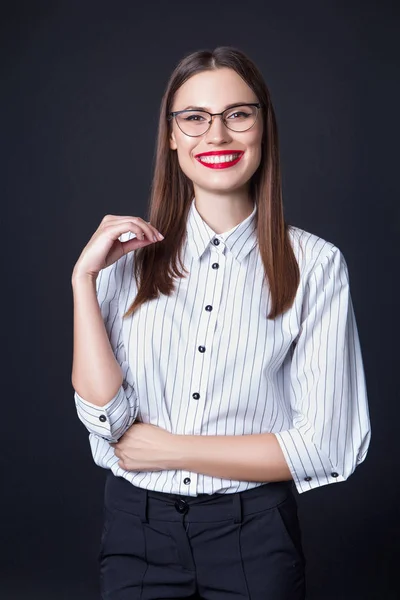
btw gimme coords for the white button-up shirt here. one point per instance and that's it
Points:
(207, 361)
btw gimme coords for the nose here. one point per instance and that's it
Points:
(218, 132)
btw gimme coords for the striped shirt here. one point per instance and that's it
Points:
(207, 361)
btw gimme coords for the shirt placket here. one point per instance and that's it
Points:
(204, 342)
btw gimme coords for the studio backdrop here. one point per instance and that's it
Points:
(81, 93)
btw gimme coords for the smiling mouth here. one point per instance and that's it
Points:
(219, 161)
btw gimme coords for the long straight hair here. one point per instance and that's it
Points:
(156, 266)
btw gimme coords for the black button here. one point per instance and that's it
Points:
(216, 242)
(196, 396)
(202, 349)
(102, 418)
(215, 266)
(181, 506)
(186, 481)
(308, 478)
(334, 474)
(209, 307)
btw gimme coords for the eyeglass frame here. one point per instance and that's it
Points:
(173, 114)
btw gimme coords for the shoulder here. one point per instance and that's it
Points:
(312, 250)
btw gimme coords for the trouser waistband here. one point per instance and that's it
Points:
(147, 504)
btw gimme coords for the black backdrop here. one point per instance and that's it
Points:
(75, 76)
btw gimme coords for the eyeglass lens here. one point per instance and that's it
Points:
(239, 118)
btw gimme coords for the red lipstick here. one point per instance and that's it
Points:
(221, 165)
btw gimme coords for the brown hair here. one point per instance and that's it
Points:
(172, 193)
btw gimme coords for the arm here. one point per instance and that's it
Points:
(104, 393)
(331, 427)
(95, 371)
(253, 457)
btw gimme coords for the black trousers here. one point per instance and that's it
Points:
(156, 545)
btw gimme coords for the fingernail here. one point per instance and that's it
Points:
(160, 236)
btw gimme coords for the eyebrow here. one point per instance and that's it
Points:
(208, 109)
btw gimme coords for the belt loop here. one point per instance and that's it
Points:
(143, 505)
(237, 507)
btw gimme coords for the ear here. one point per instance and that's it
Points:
(172, 141)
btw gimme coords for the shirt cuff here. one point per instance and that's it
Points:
(309, 466)
(109, 421)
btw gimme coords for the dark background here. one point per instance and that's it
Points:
(81, 88)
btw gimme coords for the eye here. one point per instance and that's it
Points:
(193, 118)
(239, 115)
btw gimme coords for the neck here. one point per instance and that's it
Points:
(222, 212)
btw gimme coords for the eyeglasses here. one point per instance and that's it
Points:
(192, 122)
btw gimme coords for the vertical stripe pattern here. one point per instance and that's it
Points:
(207, 361)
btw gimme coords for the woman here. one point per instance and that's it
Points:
(213, 384)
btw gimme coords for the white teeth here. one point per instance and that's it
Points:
(219, 159)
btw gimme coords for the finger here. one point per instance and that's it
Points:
(142, 231)
(140, 226)
(115, 230)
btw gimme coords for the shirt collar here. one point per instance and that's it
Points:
(240, 240)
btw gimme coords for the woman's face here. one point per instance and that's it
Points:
(214, 91)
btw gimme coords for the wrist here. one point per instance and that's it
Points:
(179, 447)
(78, 277)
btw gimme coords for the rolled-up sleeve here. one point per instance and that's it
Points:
(331, 426)
(114, 418)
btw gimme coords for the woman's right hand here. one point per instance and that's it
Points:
(104, 247)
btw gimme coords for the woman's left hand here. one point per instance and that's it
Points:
(145, 447)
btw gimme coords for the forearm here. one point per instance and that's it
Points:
(255, 457)
(96, 375)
